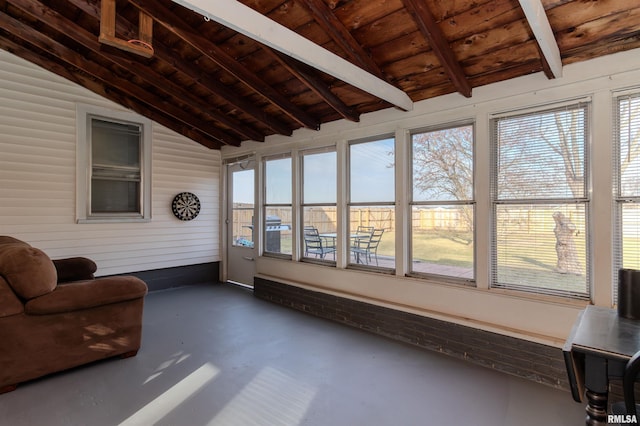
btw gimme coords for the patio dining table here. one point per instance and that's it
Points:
(355, 236)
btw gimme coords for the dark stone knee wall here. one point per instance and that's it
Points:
(161, 279)
(523, 358)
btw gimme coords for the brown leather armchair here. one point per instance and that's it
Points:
(54, 315)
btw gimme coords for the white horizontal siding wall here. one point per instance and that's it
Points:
(38, 181)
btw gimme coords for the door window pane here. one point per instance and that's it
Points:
(243, 208)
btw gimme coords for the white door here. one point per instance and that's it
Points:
(241, 250)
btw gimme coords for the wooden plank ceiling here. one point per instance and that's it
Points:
(219, 87)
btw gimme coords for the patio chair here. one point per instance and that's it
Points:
(365, 230)
(314, 244)
(367, 248)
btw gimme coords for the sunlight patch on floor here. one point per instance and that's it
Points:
(177, 358)
(173, 397)
(272, 398)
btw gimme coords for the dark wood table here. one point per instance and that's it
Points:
(598, 348)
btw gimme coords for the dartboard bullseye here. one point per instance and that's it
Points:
(186, 206)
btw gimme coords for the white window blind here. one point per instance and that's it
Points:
(540, 201)
(113, 166)
(627, 136)
(116, 150)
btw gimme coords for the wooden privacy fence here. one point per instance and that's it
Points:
(422, 219)
(325, 218)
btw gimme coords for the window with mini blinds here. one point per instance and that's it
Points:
(114, 167)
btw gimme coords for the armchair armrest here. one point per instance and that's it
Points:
(75, 269)
(87, 294)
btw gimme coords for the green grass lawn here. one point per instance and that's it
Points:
(531, 263)
(443, 249)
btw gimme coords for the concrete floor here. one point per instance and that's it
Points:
(215, 355)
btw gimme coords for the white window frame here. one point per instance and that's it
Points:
(585, 200)
(332, 260)
(620, 199)
(266, 205)
(430, 203)
(351, 204)
(84, 113)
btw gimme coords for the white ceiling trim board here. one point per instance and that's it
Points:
(539, 23)
(243, 19)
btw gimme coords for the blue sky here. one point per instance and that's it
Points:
(371, 178)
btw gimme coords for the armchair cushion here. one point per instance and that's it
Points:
(5, 239)
(74, 269)
(87, 294)
(9, 302)
(28, 270)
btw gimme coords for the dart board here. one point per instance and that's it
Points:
(186, 206)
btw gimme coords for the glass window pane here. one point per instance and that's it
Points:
(443, 164)
(112, 196)
(542, 247)
(319, 232)
(115, 167)
(322, 218)
(320, 178)
(542, 155)
(278, 181)
(243, 208)
(631, 236)
(629, 141)
(372, 171)
(442, 240)
(372, 236)
(115, 144)
(277, 229)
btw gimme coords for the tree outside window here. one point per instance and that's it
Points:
(540, 202)
(442, 214)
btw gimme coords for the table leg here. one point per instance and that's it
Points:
(597, 384)
(596, 409)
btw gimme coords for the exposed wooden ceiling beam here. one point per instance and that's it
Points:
(247, 21)
(171, 22)
(331, 25)
(165, 54)
(539, 23)
(306, 74)
(432, 32)
(98, 71)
